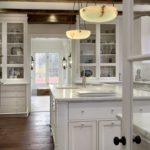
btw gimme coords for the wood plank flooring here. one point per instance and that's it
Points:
(32, 133)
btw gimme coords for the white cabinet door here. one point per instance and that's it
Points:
(82, 135)
(107, 131)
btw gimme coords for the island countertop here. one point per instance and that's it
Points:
(71, 94)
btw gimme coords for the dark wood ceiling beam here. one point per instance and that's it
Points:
(38, 11)
(67, 1)
(48, 19)
(71, 1)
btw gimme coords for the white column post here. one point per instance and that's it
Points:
(127, 73)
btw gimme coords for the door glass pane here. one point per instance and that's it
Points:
(141, 104)
(141, 76)
(40, 68)
(0, 50)
(53, 68)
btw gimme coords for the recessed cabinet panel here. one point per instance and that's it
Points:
(107, 131)
(82, 136)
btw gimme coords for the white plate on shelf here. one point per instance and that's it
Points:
(96, 93)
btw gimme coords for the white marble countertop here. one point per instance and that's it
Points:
(142, 82)
(141, 125)
(66, 94)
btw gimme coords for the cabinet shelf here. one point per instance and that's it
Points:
(93, 44)
(108, 43)
(88, 54)
(108, 55)
(14, 33)
(108, 34)
(107, 64)
(14, 43)
(87, 64)
(15, 55)
(15, 65)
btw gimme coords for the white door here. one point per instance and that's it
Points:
(82, 136)
(107, 131)
(133, 124)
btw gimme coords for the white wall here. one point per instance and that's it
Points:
(58, 43)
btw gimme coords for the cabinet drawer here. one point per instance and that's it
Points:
(12, 101)
(13, 88)
(13, 94)
(102, 110)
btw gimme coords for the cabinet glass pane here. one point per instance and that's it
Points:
(88, 50)
(0, 72)
(0, 50)
(108, 43)
(0, 43)
(108, 71)
(88, 71)
(15, 72)
(15, 50)
(108, 50)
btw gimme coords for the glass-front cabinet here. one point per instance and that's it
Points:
(13, 48)
(107, 50)
(0, 50)
(98, 53)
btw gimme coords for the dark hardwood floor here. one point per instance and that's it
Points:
(32, 133)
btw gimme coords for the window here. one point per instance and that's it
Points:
(46, 68)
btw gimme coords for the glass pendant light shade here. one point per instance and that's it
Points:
(78, 34)
(98, 13)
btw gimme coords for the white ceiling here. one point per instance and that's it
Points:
(57, 6)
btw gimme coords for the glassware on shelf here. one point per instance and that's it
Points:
(15, 72)
(89, 70)
(0, 72)
(108, 71)
(15, 27)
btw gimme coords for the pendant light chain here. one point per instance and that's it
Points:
(72, 15)
(113, 3)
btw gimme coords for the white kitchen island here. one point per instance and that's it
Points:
(89, 123)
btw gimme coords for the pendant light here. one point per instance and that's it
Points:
(78, 34)
(98, 13)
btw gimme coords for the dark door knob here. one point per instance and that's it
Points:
(121, 140)
(137, 139)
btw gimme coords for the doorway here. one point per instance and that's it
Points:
(47, 55)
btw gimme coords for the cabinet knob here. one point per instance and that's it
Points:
(112, 110)
(121, 140)
(137, 139)
(141, 109)
(82, 111)
(82, 124)
(112, 123)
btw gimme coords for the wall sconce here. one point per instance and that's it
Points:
(64, 63)
(69, 61)
(32, 62)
